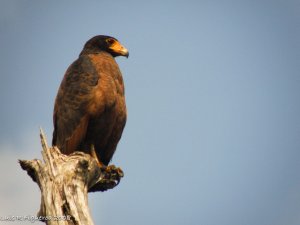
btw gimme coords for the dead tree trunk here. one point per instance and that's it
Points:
(65, 181)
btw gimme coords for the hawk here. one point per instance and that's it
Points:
(90, 110)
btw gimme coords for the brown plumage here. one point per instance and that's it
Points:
(90, 111)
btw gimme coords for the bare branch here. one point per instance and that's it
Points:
(64, 182)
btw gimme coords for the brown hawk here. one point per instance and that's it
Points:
(90, 110)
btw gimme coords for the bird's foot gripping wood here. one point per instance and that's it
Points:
(110, 177)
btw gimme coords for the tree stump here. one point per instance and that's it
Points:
(65, 181)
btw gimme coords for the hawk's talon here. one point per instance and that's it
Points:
(110, 177)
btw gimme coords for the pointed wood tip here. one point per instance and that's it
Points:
(43, 138)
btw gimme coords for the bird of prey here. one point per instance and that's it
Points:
(90, 110)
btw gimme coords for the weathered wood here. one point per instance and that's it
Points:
(65, 181)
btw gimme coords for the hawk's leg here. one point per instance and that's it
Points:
(94, 154)
(112, 171)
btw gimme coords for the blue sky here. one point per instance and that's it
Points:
(212, 90)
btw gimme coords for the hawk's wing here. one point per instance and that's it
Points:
(70, 110)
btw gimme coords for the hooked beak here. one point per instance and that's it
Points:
(119, 49)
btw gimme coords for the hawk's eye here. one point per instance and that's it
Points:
(110, 41)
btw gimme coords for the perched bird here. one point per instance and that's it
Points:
(90, 111)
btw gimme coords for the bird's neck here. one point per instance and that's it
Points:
(87, 51)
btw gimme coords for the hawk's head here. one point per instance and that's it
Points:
(108, 44)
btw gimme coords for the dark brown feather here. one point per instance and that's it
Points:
(90, 107)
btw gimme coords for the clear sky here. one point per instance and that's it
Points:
(212, 89)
